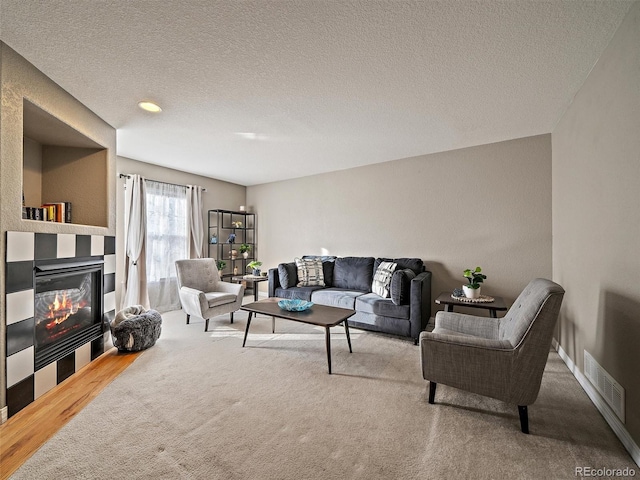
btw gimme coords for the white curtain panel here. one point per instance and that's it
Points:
(195, 216)
(168, 236)
(135, 290)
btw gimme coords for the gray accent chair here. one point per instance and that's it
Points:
(203, 294)
(502, 358)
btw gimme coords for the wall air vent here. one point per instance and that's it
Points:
(611, 391)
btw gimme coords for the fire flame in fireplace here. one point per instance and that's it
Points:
(62, 308)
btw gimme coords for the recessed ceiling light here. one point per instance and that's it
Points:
(149, 107)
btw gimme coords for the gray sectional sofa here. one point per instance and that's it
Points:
(348, 284)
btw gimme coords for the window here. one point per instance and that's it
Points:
(167, 241)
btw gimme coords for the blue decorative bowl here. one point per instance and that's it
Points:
(295, 305)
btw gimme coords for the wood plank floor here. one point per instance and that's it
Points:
(24, 433)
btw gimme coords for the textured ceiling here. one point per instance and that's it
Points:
(258, 91)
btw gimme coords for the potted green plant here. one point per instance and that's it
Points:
(255, 267)
(245, 248)
(474, 278)
(221, 264)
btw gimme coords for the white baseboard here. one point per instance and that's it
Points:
(611, 418)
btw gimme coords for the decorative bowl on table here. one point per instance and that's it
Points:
(295, 305)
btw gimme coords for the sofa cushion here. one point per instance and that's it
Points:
(401, 286)
(384, 307)
(382, 279)
(353, 273)
(288, 274)
(336, 297)
(414, 264)
(309, 272)
(300, 293)
(377, 323)
(328, 262)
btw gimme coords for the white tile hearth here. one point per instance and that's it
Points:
(97, 245)
(20, 246)
(109, 302)
(66, 245)
(109, 264)
(19, 306)
(19, 366)
(83, 356)
(45, 379)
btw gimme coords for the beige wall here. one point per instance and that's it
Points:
(62, 167)
(32, 173)
(219, 194)
(596, 216)
(22, 80)
(488, 205)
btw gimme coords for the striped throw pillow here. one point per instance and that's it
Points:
(309, 272)
(382, 279)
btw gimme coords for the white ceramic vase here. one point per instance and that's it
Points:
(245, 254)
(471, 292)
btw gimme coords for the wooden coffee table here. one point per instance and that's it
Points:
(320, 315)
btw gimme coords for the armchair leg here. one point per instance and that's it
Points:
(188, 316)
(206, 325)
(231, 317)
(524, 418)
(432, 392)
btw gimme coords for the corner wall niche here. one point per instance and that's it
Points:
(61, 165)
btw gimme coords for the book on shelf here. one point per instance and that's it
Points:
(67, 212)
(56, 212)
(33, 213)
(50, 212)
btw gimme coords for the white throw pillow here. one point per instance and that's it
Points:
(309, 272)
(382, 279)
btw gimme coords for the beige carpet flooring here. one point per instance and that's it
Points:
(198, 406)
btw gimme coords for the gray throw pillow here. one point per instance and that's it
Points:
(415, 264)
(288, 274)
(401, 286)
(353, 273)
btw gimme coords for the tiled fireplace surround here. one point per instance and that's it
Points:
(24, 383)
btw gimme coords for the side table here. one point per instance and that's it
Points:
(493, 307)
(253, 280)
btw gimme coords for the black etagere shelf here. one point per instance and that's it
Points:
(222, 225)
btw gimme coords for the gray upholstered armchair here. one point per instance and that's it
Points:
(203, 294)
(502, 358)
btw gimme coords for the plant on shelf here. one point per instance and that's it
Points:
(474, 279)
(220, 264)
(255, 267)
(245, 249)
(236, 224)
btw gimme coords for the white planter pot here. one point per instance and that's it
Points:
(245, 254)
(471, 292)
